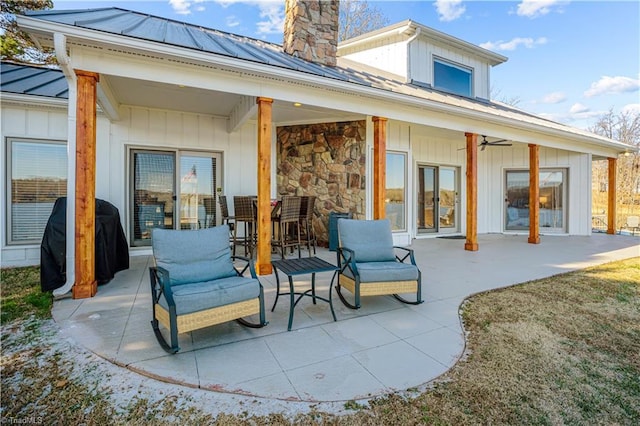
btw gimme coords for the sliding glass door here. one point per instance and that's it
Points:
(552, 200)
(172, 190)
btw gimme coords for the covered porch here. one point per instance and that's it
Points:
(384, 347)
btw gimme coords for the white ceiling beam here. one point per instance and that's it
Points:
(241, 112)
(107, 100)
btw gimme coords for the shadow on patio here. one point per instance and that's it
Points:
(384, 347)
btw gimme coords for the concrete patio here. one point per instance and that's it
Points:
(384, 347)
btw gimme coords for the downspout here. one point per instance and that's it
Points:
(60, 45)
(413, 37)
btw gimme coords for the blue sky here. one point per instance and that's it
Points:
(569, 61)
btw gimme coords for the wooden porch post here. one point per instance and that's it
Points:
(472, 192)
(612, 195)
(379, 166)
(85, 200)
(263, 263)
(534, 194)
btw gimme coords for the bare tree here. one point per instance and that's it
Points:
(357, 17)
(623, 127)
(496, 94)
(15, 44)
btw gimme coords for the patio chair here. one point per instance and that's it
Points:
(245, 219)
(307, 235)
(195, 283)
(287, 230)
(370, 265)
(632, 223)
(224, 212)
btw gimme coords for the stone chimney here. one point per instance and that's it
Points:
(311, 30)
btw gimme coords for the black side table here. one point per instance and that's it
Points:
(305, 265)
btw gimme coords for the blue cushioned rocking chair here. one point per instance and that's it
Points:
(196, 284)
(369, 265)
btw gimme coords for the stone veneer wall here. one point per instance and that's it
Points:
(326, 160)
(311, 30)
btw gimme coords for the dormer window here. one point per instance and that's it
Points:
(452, 77)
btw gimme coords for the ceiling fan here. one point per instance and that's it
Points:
(486, 143)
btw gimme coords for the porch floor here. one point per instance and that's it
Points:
(383, 347)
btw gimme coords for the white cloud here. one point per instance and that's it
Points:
(578, 108)
(272, 11)
(631, 109)
(274, 14)
(535, 8)
(449, 10)
(232, 21)
(613, 85)
(554, 98)
(513, 44)
(181, 7)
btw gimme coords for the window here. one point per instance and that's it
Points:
(173, 190)
(395, 190)
(452, 78)
(551, 201)
(36, 176)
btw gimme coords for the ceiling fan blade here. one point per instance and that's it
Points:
(499, 144)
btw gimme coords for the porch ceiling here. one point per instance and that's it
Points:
(150, 94)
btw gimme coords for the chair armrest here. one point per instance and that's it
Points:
(160, 278)
(409, 254)
(248, 265)
(346, 259)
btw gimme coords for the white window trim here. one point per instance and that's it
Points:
(9, 141)
(453, 64)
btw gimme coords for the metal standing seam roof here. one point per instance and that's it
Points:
(143, 26)
(33, 80)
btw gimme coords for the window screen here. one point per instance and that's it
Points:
(37, 177)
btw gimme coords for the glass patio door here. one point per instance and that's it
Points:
(152, 203)
(199, 177)
(437, 199)
(551, 202)
(172, 190)
(426, 199)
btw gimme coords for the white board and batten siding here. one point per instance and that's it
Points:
(431, 146)
(422, 53)
(144, 128)
(389, 54)
(26, 122)
(491, 192)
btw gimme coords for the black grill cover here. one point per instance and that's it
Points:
(112, 250)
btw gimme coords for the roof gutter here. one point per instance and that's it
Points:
(159, 49)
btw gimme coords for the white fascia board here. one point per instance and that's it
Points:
(33, 100)
(185, 55)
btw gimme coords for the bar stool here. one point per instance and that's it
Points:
(245, 217)
(288, 231)
(307, 236)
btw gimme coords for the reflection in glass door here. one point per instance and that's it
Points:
(198, 183)
(156, 203)
(437, 199)
(551, 201)
(426, 198)
(152, 203)
(447, 196)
